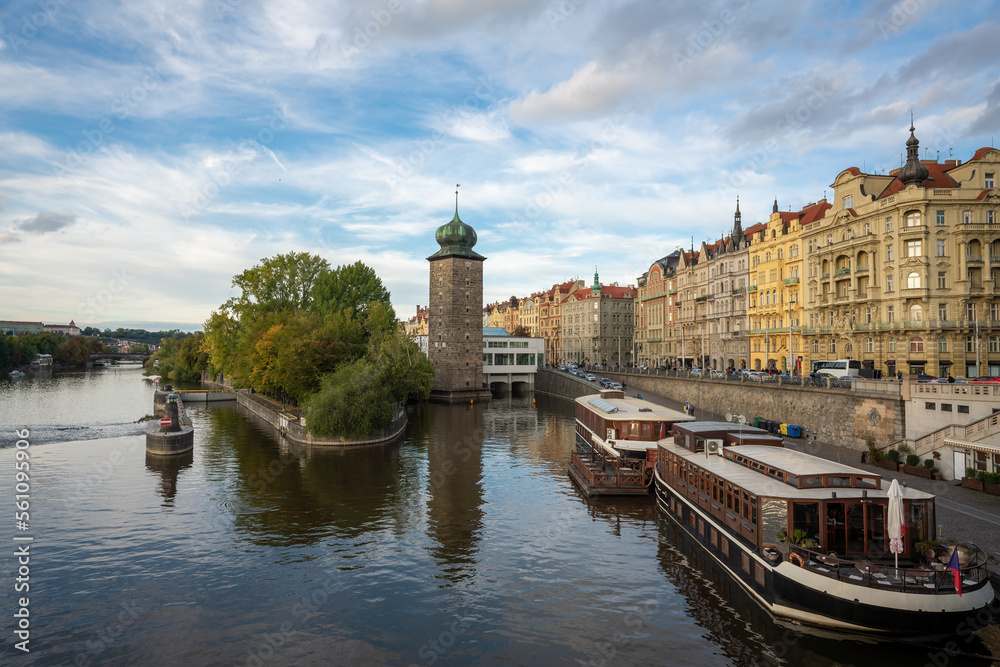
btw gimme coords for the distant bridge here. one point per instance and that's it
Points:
(119, 356)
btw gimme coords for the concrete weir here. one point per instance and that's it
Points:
(177, 437)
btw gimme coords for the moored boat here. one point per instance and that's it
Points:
(810, 538)
(616, 441)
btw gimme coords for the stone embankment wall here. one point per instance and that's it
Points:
(847, 418)
(294, 431)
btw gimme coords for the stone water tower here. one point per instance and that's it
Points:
(454, 320)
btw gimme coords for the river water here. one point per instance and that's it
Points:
(465, 543)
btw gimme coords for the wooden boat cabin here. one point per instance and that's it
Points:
(616, 442)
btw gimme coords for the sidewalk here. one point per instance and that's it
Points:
(964, 514)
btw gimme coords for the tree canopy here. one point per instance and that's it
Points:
(326, 338)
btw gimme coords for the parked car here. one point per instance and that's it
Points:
(562, 368)
(591, 377)
(717, 375)
(757, 376)
(986, 379)
(605, 382)
(616, 385)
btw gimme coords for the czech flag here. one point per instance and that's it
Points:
(663, 430)
(953, 566)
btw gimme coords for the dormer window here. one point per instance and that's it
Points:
(849, 201)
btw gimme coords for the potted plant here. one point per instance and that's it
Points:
(890, 460)
(971, 480)
(991, 483)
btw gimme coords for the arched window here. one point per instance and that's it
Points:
(781, 254)
(767, 256)
(892, 345)
(869, 344)
(916, 313)
(916, 344)
(913, 219)
(913, 280)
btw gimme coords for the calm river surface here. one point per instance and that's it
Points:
(465, 543)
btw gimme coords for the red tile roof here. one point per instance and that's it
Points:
(937, 177)
(978, 155)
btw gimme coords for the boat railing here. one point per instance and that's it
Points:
(933, 579)
(602, 471)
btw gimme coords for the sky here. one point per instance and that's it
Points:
(151, 151)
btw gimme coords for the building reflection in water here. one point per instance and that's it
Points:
(454, 444)
(170, 468)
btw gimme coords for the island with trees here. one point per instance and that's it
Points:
(305, 334)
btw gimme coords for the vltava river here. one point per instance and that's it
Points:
(465, 543)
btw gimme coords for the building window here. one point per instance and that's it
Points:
(815, 346)
(913, 280)
(888, 283)
(995, 311)
(966, 217)
(940, 218)
(930, 406)
(888, 224)
(793, 251)
(888, 252)
(849, 200)
(946, 407)
(890, 313)
(869, 345)
(970, 344)
(963, 409)
(913, 219)
(868, 228)
(868, 315)
(994, 344)
(942, 344)
(989, 180)
(916, 344)
(991, 217)
(914, 248)
(829, 239)
(970, 311)
(916, 313)
(833, 347)
(942, 280)
(942, 311)
(940, 247)
(892, 345)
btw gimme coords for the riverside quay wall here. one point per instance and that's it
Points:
(843, 417)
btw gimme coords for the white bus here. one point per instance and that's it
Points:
(838, 368)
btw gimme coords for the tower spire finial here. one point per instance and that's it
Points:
(457, 186)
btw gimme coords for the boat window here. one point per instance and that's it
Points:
(805, 524)
(773, 519)
(876, 530)
(645, 430)
(729, 496)
(869, 482)
(746, 506)
(634, 428)
(809, 482)
(917, 531)
(838, 481)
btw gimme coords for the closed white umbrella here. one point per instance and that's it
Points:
(895, 521)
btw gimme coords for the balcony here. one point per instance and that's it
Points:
(826, 275)
(794, 280)
(978, 259)
(862, 268)
(844, 271)
(752, 288)
(672, 292)
(995, 259)
(701, 298)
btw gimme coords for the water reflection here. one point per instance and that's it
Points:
(454, 444)
(290, 495)
(169, 468)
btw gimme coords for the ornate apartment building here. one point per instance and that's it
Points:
(728, 274)
(655, 312)
(904, 268)
(775, 305)
(597, 324)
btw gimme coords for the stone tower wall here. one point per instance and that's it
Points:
(455, 327)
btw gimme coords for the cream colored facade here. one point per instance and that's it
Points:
(654, 312)
(903, 272)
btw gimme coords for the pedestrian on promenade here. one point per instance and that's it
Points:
(950, 378)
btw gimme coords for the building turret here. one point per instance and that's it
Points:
(913, 172)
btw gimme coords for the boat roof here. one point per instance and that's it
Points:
(711, 427)
(633, 409)
(791, 461)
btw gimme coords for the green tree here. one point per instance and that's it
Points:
(353, 286)
(282, 282)
(405, 370)
(353, 402)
